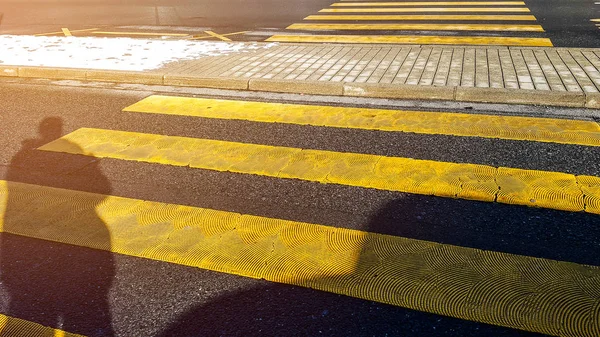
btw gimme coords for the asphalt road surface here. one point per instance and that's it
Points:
(560, 23)
(131, 296)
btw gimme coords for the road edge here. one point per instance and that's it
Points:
(365, 90)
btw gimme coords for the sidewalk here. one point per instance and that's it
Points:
(544, 76)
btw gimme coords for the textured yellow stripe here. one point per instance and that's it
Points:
(541, 295)
(432, 9)
(432, 3)
(466, 181)
(11, 326)
(422, 17)
(414, 26)
(456, 124)
(415, 39)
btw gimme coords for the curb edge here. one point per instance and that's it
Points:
(374, 90)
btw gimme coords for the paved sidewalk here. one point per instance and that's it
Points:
(382, 68)
(546, 76)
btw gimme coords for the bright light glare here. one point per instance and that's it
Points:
(108, 53)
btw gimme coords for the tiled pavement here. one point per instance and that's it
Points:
(546, 69)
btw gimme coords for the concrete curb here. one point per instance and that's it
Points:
(297, 87)
(206, 82)
(375, 90)
(124, 76)
(400, 91)
(521, 96)
(52, 73)
(9, 71)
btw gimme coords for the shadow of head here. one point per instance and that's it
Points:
(50, 128)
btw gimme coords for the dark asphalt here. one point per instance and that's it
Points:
(149, 298)
(566, 22)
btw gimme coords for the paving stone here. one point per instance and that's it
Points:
(407, 66)
(563, 71)
(468, 68)
(509, 73)
(372, 65)
(482, 77)
(456, 67)
(523, 75)
(587, 66)
(495, 69)
(431, 67)
(314, 67)
(340, 64)
(548, 69)
(443, 68)
(392, 71)
(417, 70)
(584, 82)
(539, 79)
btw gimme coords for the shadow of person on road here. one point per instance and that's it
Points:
(280, 310)
(49, 281)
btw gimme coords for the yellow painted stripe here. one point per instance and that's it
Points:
(595, 20)
(139, 33)
(421, 17)
(466, 181)
(61, 32)
(11, 326)
(414, 39)
(534, 294)
(218, 36)
(456, 124)
(66, 32)
(431, 3)
(414, 26)
(432, 9)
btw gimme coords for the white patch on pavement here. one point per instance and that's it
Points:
(109, 53)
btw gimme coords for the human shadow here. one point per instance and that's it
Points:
(49, 279)
(282, 310)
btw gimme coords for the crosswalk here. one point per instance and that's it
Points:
(507, 23)
(516, 291)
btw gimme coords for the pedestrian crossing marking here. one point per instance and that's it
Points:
(412, 26)
(428, 9)
(11, 326)
(545, 189)
(550, 130)
(415, 39)
(421, 17)
(459, 31)
(431, 3)
(561, 298)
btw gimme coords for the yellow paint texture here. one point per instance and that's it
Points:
(427, 9)
(421, 17)
(534, 294)
(415, 26)
(430, 3)
(139, 33)
(466, 181)
(414, 39)
(456, 124)
(11, 326)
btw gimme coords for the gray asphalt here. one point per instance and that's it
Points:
(138, 297)
(566, 22)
